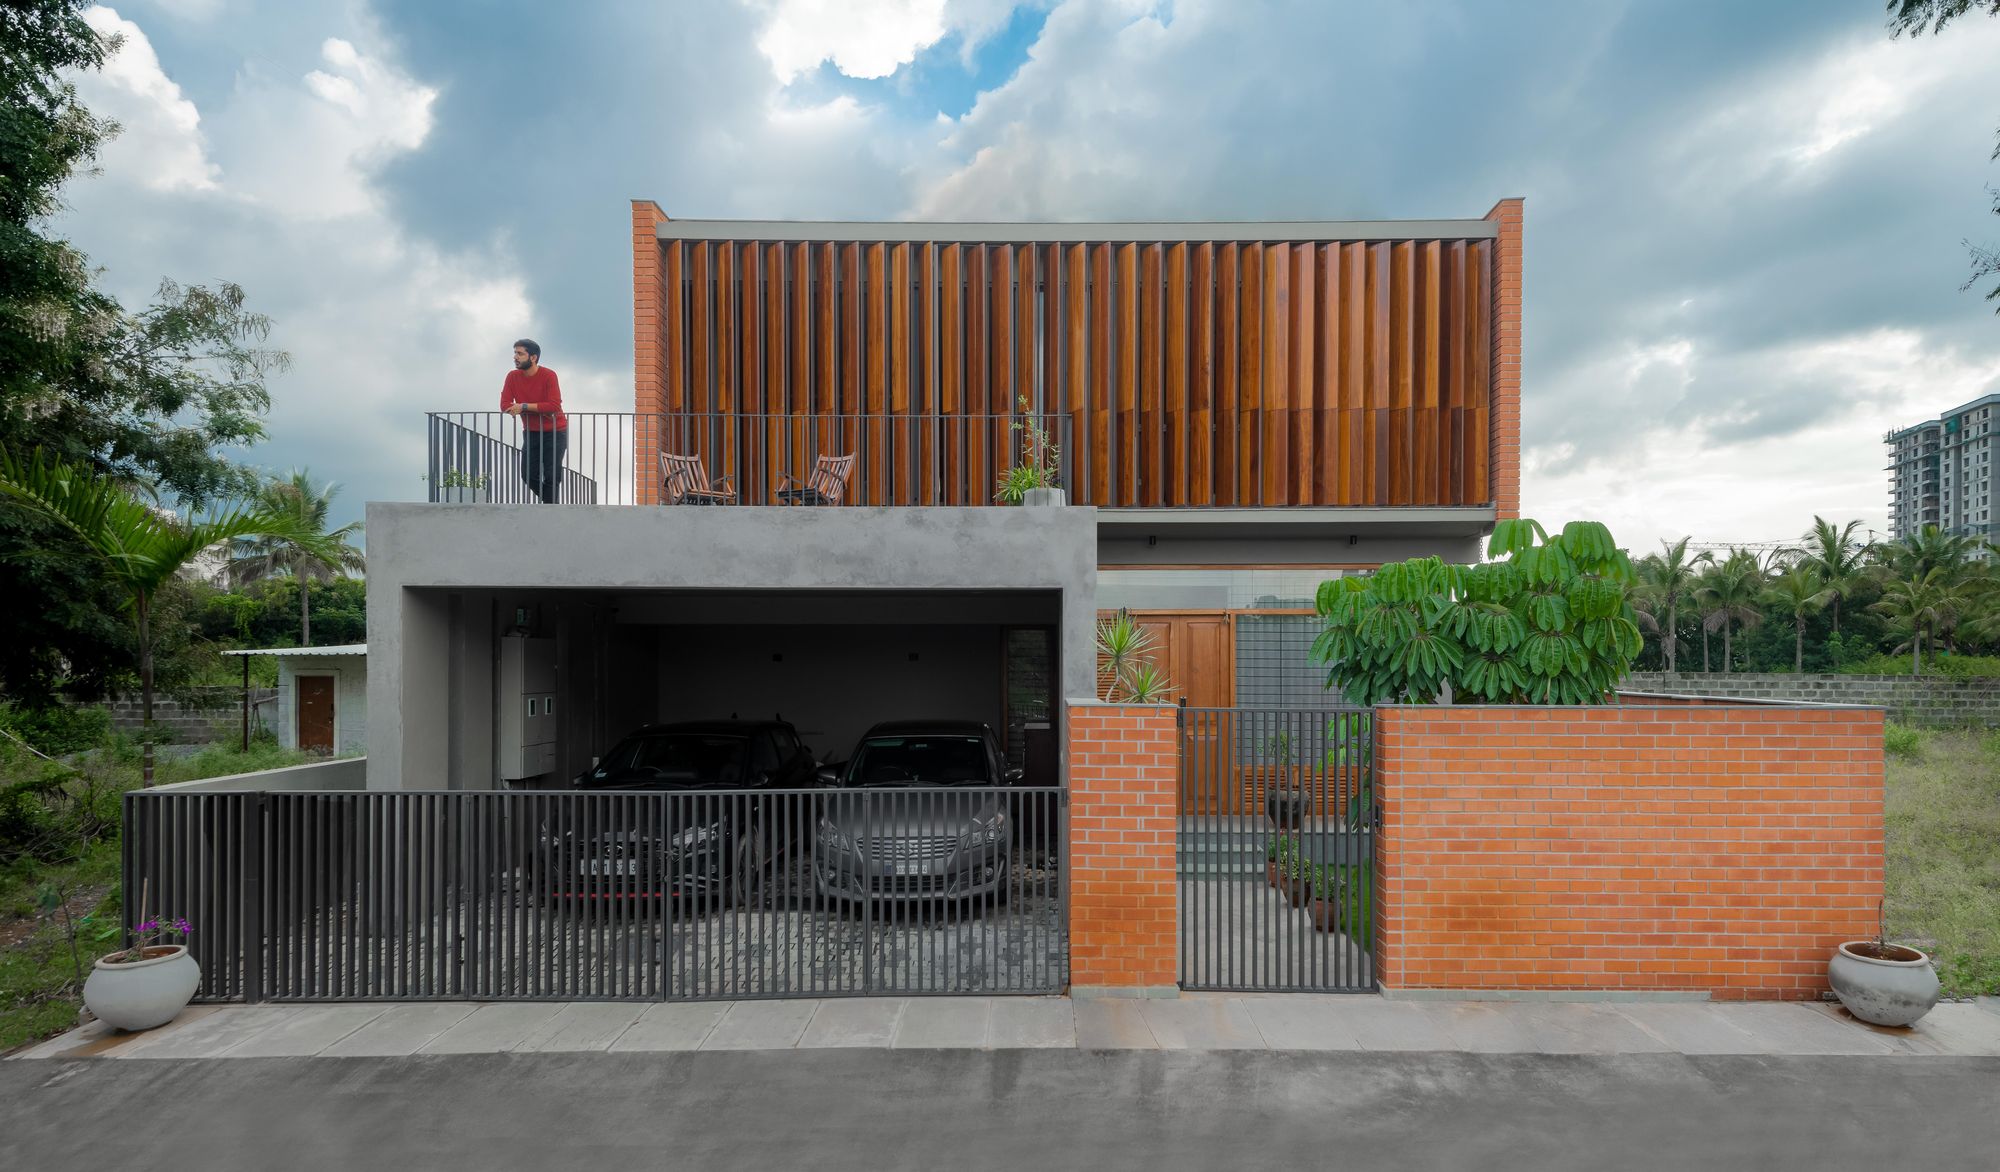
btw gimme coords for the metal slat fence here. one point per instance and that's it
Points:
(1276, 849)
(687, 895)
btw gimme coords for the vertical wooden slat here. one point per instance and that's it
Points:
(1000, 308)
(978, 376)
(951, 374)
(850, 350)
(1250, 390)
(1201, 394)
(826, 341)
(1177, 375)
(925, 410)
(1428, 272)
(1452, 422)
(777, 373)
(1277, 420)
(1326, 464)
(798, 425)
(745, 457)
(1126, 410)
(1100, 375)
(1076, 355)
(723, 435)
(1402, 372)
(1054, 402)
(1228, 371)
(872, 404)
(1376, 421)
(1151, 386)
(1301, 391)
(649, 434)
(701, 329)
(899, 374)
(1479, 386)
(1354, 451)
(1024, 343)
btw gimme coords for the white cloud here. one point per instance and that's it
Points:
(161, 142)
(862, 38)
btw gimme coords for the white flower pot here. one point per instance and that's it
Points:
(1886, 991)
(1044, 497)
(142, 994)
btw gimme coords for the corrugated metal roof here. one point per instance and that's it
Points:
(337, 649)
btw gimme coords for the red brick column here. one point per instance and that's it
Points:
(1715, 848)
(649, 342)
(1505, 441)
(1123, 934)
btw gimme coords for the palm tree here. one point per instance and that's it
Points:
(142, 548)
(319, 559)
(1930, 549)
(1926, 606)
(1730, 592)
(1666, 580)
(1800, 592)
(1841, 561)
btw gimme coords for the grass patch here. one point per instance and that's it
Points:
(1903, 741)
(1943, 828)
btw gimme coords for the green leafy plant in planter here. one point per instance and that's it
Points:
(1548, 621)
(1352, 758)
(1041, 460)
(1279, 850)
(1124, 650)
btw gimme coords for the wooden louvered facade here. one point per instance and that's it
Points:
(1244, 365)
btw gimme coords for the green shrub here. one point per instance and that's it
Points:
(57, 729)
(1903, 741)
(1951, 667)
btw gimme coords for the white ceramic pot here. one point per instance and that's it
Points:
(1889, 991)
(145, 993)
(1044, 497)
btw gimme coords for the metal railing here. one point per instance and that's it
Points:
(704, 894)
(1276, 849)
(612, 458)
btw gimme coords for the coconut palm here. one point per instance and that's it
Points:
(1930, 548)
(320, 559)
(1730, 592)
(1925, 606)
(142, 548)
(1841, 561)
(1800, 592)
(1666, 580)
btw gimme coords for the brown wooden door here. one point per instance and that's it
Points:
(315, 713)
(1198, 654)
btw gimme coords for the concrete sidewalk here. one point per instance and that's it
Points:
(1283, 1022)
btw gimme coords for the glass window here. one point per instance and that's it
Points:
(927, 760)
(1228, 589)
(764, 756)
(687, 756)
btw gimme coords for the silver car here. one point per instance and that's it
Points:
(917, 815)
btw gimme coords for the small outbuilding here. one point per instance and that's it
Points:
(322, 696)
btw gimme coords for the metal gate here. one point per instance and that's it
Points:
(687, 895)
(1276, 849)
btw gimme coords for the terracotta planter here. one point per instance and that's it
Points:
(1299, 891)
(1272, 874)
(142, 994)
(1326, 915)
(1886, 986)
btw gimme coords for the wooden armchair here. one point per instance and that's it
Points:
(825, 485)
(684, 481)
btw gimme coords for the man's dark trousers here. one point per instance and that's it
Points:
(542, 462)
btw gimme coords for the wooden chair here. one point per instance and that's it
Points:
(825, 485)
(684, 481)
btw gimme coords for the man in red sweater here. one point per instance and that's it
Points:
(532, 393)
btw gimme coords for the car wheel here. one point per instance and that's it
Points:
(750, 877)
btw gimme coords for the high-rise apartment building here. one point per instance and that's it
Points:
(1941, 473)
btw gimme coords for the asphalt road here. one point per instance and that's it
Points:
(1020, 1110)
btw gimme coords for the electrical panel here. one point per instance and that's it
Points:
(527, 698)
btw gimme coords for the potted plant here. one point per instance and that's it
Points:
(1037, 479)
(148, 984)
(1329, 892)
(1277, 852)
(1882, 983)
(458, 487)
(1284, 802)
(1299, 880)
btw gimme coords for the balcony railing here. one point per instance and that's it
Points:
(613, 458)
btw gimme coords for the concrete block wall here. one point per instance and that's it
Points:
(1930, 701)
(218, 716)
(1711, 848)
(1123, 932)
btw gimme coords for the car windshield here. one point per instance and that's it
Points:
(925, 760)
(692, 758)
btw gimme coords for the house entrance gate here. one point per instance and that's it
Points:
(1275, 847)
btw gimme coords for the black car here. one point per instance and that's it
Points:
(713, 841)
(919, 815)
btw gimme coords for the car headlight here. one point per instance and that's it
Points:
(834, 837)
(990, 830)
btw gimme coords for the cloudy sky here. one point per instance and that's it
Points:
(1744, 221)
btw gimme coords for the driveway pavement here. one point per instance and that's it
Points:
(1104, 1110)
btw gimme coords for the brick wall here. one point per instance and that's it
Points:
(1505, 425)
(650, 319)
(1931, 701)
(1122, 761)
(1716, 848)
(218, 717)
